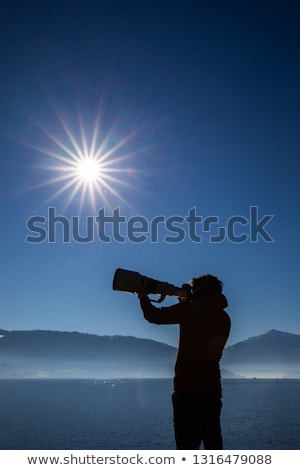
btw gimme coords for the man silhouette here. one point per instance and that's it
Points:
(204, 330)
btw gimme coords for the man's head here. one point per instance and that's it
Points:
(204, 285)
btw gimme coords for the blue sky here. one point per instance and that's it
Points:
(196, 105)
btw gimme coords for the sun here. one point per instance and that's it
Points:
(87, 169)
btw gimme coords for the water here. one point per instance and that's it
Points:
(137, 414)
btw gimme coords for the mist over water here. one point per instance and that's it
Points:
(266, 371)
(137, 414)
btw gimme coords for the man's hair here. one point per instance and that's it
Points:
(207, 284)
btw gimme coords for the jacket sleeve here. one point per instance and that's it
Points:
(161, 316)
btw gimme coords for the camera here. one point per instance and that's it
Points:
(134, 282)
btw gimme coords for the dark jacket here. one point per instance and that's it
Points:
(204, 329)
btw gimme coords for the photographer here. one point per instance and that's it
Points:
(204, 330)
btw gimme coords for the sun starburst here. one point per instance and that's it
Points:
(88, 169)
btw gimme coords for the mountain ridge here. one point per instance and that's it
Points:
(273, 345)
(48, 353)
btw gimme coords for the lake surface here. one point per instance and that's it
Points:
(137, 414)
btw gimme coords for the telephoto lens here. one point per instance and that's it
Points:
(133, 282)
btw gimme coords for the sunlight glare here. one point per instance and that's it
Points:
(88, 169)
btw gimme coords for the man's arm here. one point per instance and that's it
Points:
(161, 316)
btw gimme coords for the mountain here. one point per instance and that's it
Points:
(271, 347)
(41, 353)
(274, 353)
(72, 354)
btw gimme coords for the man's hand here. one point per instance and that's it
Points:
(142, 295)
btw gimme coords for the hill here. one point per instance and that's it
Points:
(274, 353)
(72, 354)
(271, 347)
(40, 353)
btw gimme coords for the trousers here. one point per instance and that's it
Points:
(196, 418)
